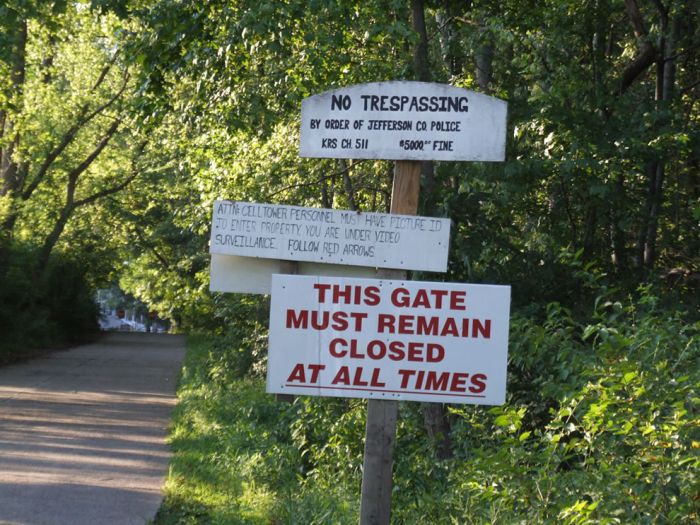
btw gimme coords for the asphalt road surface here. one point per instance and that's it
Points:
(82, 432)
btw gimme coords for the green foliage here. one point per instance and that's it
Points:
(600, 426)
(617, 444)
(240, 455)
(40, 311)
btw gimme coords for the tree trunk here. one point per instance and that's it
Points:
(484, 59)
(665, 87)
(9, 170)
(617, 234)
(347, 183)
(421, 61)
(434, 414)
(42, 262)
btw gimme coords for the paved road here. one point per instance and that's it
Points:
(82, 432)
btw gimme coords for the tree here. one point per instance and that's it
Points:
(66, 137)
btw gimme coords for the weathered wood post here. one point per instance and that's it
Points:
(380, 432)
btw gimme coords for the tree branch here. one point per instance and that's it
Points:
(661, 7)
(103, 73)
(166, 264)
(635, 16)
(117, 187)
(71, 204)
(83, 118)
(689, 87)
(641, 63)
(80, 168)
(646, 55)
(313, 183)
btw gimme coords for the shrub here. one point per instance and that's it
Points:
(42, 308)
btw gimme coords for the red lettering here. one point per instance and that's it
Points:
(419, 379)
(380, 351)
(357, 380)
(421, 299)
(432, 380)
(319, 324)
(322, 288)
(400, 297)
(406, 324)
(435, 382)
(349, 294)
(485, 330)
(342, 377)
(427, 325)
(435, 354)
(415, 351)
(343, 294)
(357, 297)
(439, 295)
(405, 376)
(358, 317)
(385, 322)
(322, 320)
(478, 383)
(354, 352)
(315, 369)
(338, 342)
(450, 328)
(297, 319)
(457, 300)
(372, 296)
(396, 351)
(375, 378)
(458, 383)
(340, 320)
(297, 374)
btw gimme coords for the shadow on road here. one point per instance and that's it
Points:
(82, 431)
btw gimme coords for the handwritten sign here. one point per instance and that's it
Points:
(403, 120)
(369, 338)
(322, 235)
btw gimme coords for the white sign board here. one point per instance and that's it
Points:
(234, 274)
(382, 339)
(322, 235)
(403, 120)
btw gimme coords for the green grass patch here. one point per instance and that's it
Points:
(240, 457)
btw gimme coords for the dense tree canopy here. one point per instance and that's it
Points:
(603, 142)
(133, 116)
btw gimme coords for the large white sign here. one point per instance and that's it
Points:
(403, 120)
(322, 235)
(369, 338)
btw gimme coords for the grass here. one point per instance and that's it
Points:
(237, 454)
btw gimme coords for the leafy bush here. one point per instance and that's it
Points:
(240, 456)
(42, 308)
(607, 433)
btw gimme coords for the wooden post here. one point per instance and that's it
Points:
(380, 431)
